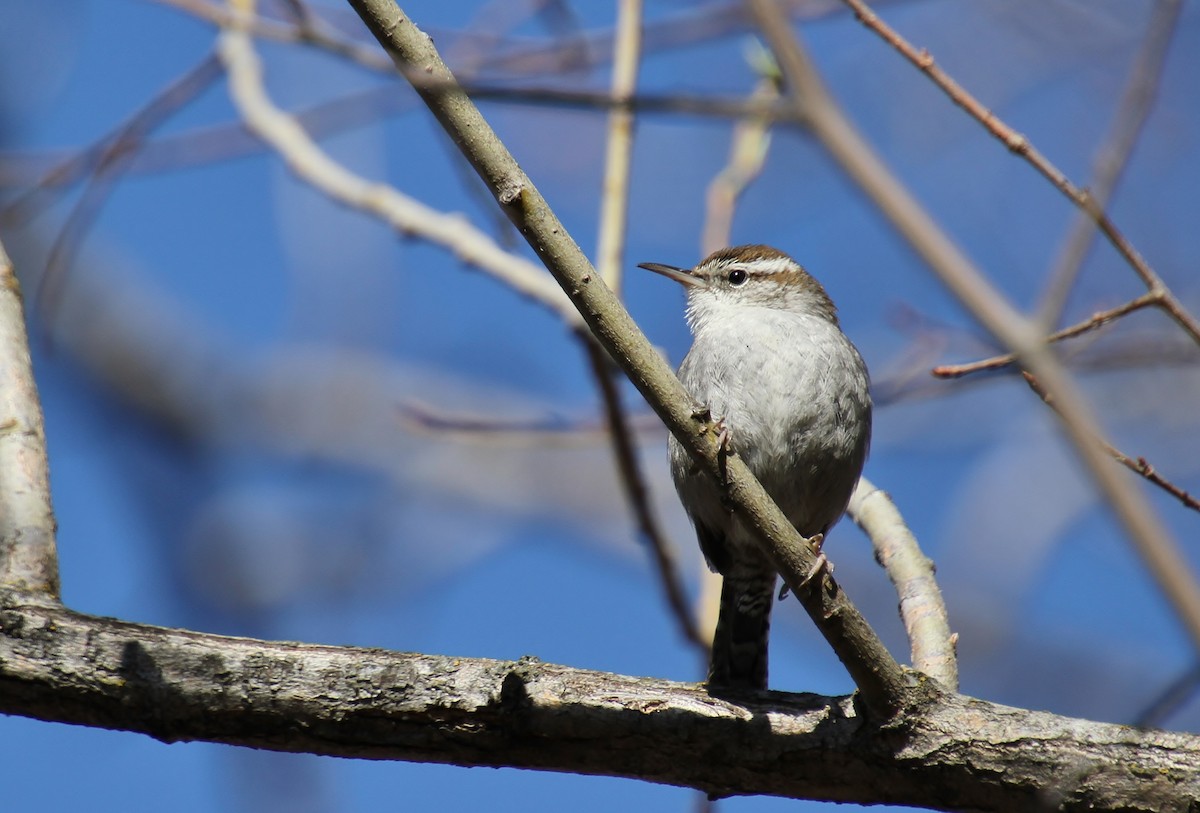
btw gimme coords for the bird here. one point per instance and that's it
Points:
(791, 394)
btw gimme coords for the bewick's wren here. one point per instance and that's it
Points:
(769, 360)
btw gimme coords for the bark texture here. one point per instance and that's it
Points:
(942, 751)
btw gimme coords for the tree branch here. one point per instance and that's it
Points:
(943, 751)
(28, 558)
(876, 673)
(912, 573)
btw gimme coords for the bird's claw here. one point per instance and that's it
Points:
(822, 563)
(724, 437)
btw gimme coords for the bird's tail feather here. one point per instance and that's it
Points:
(739, 651)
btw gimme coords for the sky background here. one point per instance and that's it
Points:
(231, 364)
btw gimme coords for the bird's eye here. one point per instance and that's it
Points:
(737, 276)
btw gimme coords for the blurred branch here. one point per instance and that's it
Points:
(696, 23)
(1168, 701)
(1020, 145)
(113, 152)
(633, 483)
(431, 420)
(305, 29)
(614, 195)
(1019, 335)
(614, 211)
(110, 166)
(747, 154)
(881, 681)
(28, 558)
(1130, 117)
(1096, 320)
(1139, 466)
(177, 685)
(921, 606)
(223, 142)
(406, 215)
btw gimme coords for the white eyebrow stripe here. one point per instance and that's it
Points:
(766, 265)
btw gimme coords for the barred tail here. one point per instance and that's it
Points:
(739, 651)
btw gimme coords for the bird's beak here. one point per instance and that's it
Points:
(680, 275)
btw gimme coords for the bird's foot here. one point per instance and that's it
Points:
(821, 565)
(724, 437)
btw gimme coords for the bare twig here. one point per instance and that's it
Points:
(1149, 536)
(1097, 320)
(1021, 146)
(883, 685)
(1130, 116)
(28, 558)
(222, 142)
(921, 606)
(1138, 466)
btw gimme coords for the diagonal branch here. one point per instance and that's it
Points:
(1139, 466)
(921, 606)
(1021, 146)
(1126, 128)
(406, 215)
(882, 683)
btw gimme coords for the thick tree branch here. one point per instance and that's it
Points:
(876, 673)
(943, 751)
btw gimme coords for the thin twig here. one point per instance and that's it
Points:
(28, 556)
(1138, 466)
(1097, 320)
(1130, 117)
(223, 142)
(1020, 145)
